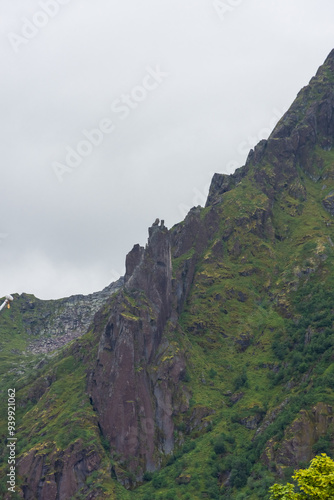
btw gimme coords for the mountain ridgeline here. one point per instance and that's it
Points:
(208, 371)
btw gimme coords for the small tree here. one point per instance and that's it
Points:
(315, 483)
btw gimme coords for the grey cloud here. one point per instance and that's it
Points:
(226, 81)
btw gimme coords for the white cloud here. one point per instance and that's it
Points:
(226, 79)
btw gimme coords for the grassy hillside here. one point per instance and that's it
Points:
(258, 331)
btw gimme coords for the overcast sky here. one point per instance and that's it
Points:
(114, 113)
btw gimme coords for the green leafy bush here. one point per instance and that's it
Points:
(219, 445)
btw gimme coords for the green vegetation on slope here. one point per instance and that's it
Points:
(257, 330)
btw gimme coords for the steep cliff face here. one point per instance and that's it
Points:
(189, 240)
(308, 433)
(132, 397)
(54, 475)
(136, 385)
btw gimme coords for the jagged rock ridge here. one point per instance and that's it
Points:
(130, 398)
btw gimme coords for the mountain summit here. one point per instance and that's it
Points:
(208, 372)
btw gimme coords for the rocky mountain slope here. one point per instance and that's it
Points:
(209, 372)
(51, 324)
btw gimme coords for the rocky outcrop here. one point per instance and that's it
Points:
(189, 240)
(52, 324)
(135, 385)
(222, 183)
(306, 128)
(134, 399)
(57, 475)
(328, 202)
(300, 438)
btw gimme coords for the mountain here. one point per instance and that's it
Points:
(209, 371)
